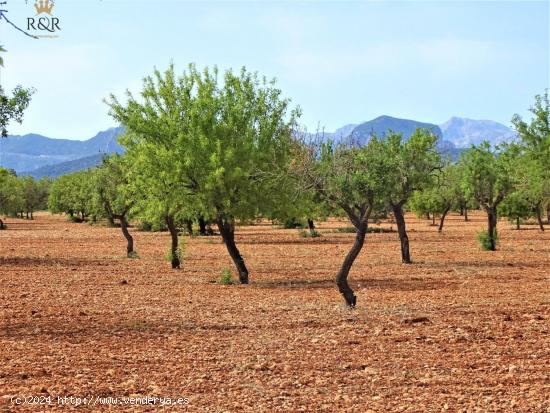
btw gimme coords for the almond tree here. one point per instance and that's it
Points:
(211, 140)
(114, 196)
(348, 179)
(408, 166)
(535, 139)
(488, 178)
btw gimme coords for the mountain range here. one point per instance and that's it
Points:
(41, 156)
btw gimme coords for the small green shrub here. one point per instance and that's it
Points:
(133, 255)
(292, 223)
(226, 277)
(309, 234)
(144, 226)
(179, 252)
(484, 240)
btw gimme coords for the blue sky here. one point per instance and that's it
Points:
(342, 62)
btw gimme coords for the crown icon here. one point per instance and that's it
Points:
(43, 6)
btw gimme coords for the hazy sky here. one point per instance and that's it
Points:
(342, 62)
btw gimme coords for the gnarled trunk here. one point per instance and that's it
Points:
(442, 219)
(402, 230)
(202, 226)
(127, 235)
(189, 226)
(226, 227)
(539, 218)
(492, 227)
(342, 276)
(175, 260)
(311, 226)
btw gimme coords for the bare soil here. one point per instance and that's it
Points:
(459, 330)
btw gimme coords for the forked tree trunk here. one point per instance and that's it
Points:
(202, 226)
(175, 260)
(127, 235)
(492, 227)
(342, 276)
(402, 230)
(442, 219)
(226, 226)
(311, 226)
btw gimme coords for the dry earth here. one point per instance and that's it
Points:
(78, 319)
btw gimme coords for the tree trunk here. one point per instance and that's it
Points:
(466, 214)
(174, 246)
(491, 227)
(461, 211)
(189, 226)
(539, 219)
(2, 225)
(442, 219)
(311, 226)
(32, 215)
(433, 219)
(202, 226)
(402, 230)
(227, 231)
(128, 236)
(342, 276)
(110, 221)
(27, 215)
(517, 223)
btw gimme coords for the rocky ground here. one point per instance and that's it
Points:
(459, 330)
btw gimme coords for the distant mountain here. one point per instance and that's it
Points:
(466, 132)
(382, 125)
(63, 168)
(30, 152)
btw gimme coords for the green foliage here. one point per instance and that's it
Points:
(179, 251)
(22, 195)
(534, 173)
(73, 194)
(404, 167)
(443, 193)
(306, 233)
(488, 175)
(133, 255)
(292, 223)
(226, 277)
(485, 241)
(12, 107)
(112, 195)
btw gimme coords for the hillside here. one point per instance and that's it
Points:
(465, 132)
(30, 152)
(63, 168)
